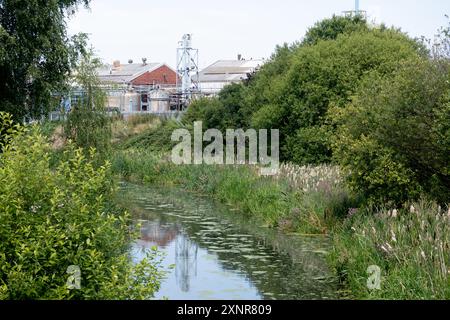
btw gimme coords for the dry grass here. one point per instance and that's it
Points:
(134, 125)
(57, 139)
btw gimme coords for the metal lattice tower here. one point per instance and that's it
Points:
(185, 261)
(356, 12)
(187, 67)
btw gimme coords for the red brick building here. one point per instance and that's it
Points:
(138, 74)
(162, 75)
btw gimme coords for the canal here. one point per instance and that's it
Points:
(216, 253)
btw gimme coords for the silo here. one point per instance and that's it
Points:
(159, 101)
(132, 102)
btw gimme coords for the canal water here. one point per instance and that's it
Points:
(215, 253)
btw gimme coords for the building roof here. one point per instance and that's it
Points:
(125, 73)
(229, 70)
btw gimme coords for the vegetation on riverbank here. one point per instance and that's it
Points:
(411, 245)
(61, 234)
(57, 216)
(277, 201)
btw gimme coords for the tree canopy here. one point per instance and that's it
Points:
(36, 53)
(294, 91)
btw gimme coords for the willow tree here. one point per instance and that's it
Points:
(36, 53)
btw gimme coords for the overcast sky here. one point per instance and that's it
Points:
(221, 29)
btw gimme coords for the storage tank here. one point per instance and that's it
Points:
(132, 102)
(159, 101)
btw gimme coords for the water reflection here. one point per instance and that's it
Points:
(185, 261)
(156, 234)
(218, 256)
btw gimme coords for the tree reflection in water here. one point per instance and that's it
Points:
(185, 261)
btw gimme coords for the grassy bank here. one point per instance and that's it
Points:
(410, 245)
(309, 204)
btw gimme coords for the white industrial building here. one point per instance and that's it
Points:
(212, 79)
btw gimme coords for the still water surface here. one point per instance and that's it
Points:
(218, 254)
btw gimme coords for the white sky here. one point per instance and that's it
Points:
(132, 29)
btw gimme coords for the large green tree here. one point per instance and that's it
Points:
(322, 76)
(35, 53)
(295, 89)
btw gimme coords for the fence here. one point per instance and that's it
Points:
(58, 116)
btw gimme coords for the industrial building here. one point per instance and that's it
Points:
(139, 87)
(138, 74)
(157, 88)
(212, 79)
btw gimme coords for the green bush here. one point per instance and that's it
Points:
(53, 218)
(394, 137)
(325, 75)
(7, 129)
(223, 112)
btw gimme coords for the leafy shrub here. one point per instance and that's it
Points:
(7, 129)
(223, 112)
(394, 137)
(325, 75)
(51, 219)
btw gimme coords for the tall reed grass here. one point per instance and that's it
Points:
(411, 245)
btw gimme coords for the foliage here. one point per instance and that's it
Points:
(156, 138)
(223, 112)
(411, 246)
(35, 54)
(330, 29)
(394, 136)
(326, 75)
(88, 124)
(295, 89)
(51, 219)
(7, 129)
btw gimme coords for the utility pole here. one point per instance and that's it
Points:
(357, 12)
